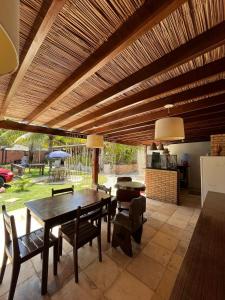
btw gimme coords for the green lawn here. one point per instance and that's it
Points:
(15, 199)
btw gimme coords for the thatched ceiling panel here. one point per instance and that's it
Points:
(192, 19)
(29, 10)
(81, 27)
(84, 25)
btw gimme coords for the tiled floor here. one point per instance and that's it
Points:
(150, 274)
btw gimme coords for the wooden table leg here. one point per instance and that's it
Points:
(45, 261)
(28, 221)
(109, 223)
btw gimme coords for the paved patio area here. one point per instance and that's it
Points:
(150, 274)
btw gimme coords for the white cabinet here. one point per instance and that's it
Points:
(212, 175)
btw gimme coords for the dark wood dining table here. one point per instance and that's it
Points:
(53, 211)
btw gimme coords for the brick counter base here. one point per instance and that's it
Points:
(161, 185)
(218, 139)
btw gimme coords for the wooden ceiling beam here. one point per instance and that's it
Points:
(189, 127)
(189, 140)
(201, 44)
(8, 124)
(207, 112)
(152, 116)
(196, 120)
(189, 94)
(189, 137)
(147, 16)
(39, 31)
(198, 74)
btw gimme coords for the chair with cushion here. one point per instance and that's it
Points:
(129, 223)
(20, 249)
(63, 191)
(124, 198)
(84, 229)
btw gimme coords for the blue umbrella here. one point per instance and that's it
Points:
(59, 154)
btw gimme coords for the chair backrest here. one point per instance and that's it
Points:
(10, 232)
(122, 179)
(126, 195)
(89, 213)
(101, 187)
(63, 191)
(136, 211)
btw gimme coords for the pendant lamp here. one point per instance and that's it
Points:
(9, 36)
(169, 129)
(94, 141)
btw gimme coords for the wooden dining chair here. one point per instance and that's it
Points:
(20, 249)
(129, 223)
(113, 203)
(84, 229)
(63, 191)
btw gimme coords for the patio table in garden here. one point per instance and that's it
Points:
(40, 166)
(53, 211)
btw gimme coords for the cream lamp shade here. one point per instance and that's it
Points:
(94, 141)
(169, 129)
(9, 36)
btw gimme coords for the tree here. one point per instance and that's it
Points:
(34, 141)
(119, 154)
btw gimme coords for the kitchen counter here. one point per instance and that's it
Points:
(202, 272)
(162, 185)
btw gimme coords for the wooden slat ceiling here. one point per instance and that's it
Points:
(109, 67)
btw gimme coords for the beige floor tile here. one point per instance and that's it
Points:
(30, 289)
(185, 211)
(178, 221)
(65, 273)
(175, 263)
(160, 216)
(127, 287)
(86, 255)
(156, 224)
(186, 235)
(140, 267)
(180, 216)
(166, 285)
(26, 272)
(165, 241)
(84, 290)
(156, 296)
(4, 297)
(117, 255)
(148, 233)
(172, 230)
(158, 253)
(182, 248)
(104, 273)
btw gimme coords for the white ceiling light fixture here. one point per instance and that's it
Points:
(169, 128)
(95, 141)
(9, 36)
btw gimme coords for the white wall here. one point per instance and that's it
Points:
(195, 150)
